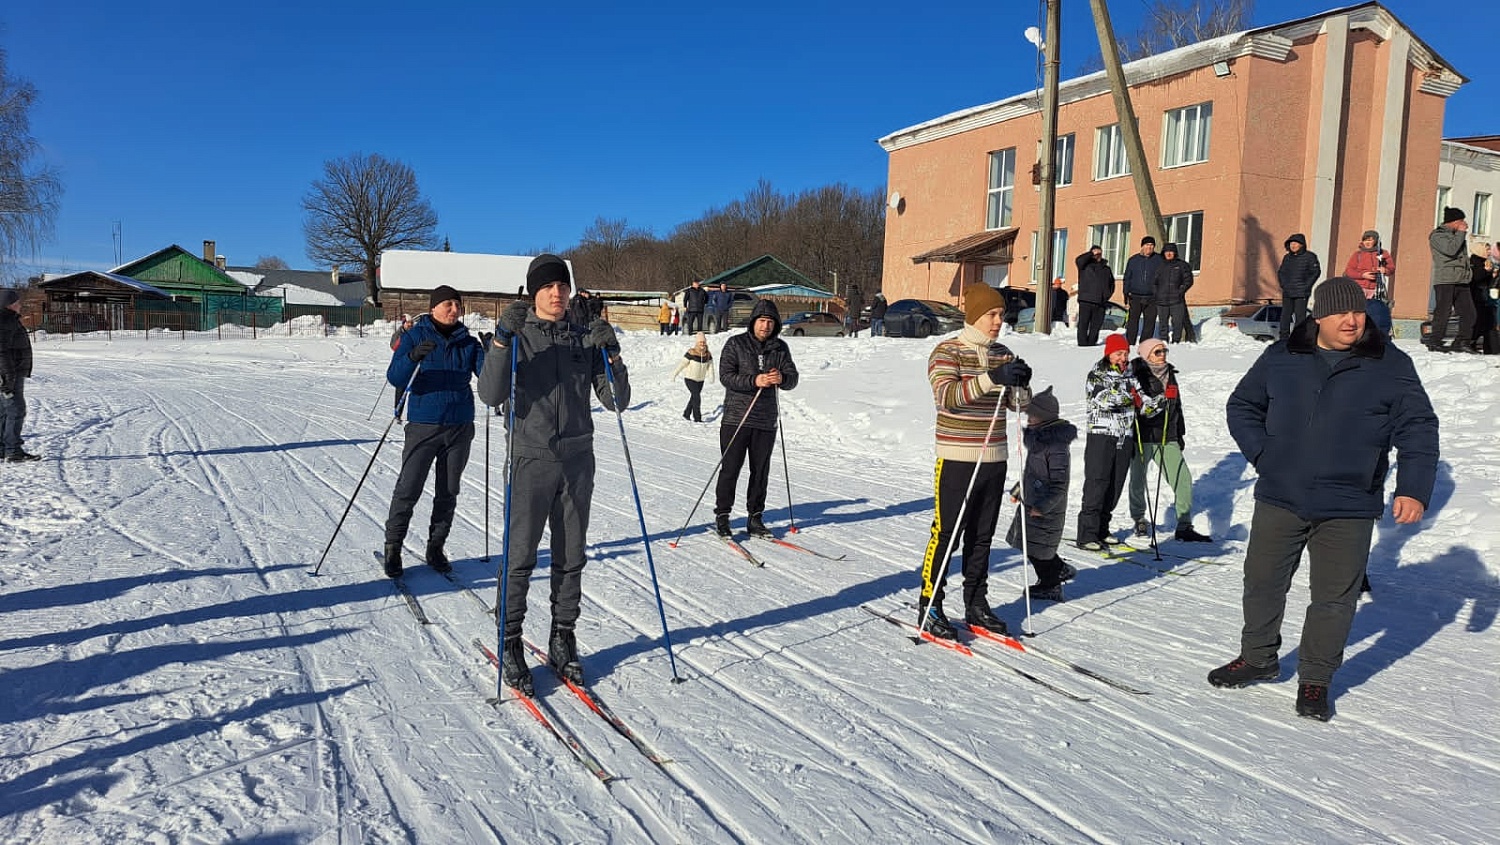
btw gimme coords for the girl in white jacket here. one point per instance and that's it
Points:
(697, 366)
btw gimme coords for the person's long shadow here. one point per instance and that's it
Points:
(87, 591)
(51, 784)
(1217, 488)
(54, 688)
(232, 450)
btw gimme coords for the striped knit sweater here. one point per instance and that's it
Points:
(958, 370)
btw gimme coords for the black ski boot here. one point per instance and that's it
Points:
(721, 525)
(1187, 534)
(757, 528)
(1142, 528)
(979, 615)
(1312, 702)
(1046, 592)
(1238, 673)
(937, 623)
(437, 560)
(393, 560)
(513, 668)
(562, 653)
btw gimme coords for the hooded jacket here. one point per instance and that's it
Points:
(557, 365)
(15, 347)
(440, 395)
(1299, 271)
(1450, 256)
(1173, 279)
(1096, 282)
(742, 359)
(1044, 483)
(1320, 438)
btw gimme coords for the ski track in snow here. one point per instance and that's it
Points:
(178, 676)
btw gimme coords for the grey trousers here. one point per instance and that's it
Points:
(1337, 551)
(426, 444)
(555, 494)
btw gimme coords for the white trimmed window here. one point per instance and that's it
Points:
(1479, 222)
(1002, 189)
(1115, 239)
(1445, 196)
(1109, 153)
(1185, 135)
(1059, 255)
(1186, 230)
(1063, 159)
(995, 275)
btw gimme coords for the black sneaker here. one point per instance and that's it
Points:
(1142, 528)
(721, 525)
(513, 668)
(437, 560)
(1187, 534)
(980, 616)
(21, 457)
(937, 623)
(562, 653)
(1238, 673)
(1068, 572)
(1312, 702)
(393, 560)
(1045, 592)
(757, 528)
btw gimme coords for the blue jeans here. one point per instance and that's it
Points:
(12, 415)
(877, 328)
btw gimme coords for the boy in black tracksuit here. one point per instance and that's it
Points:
(753, 366)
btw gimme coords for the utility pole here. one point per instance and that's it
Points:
(1050, 49)
(1130, 133)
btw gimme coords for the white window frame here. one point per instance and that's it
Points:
(1186, 230)
(1062, 159)
(1444, 197)
(1115, 239)
(1059, 255)
(1001, 198)
(1185, 135)
(1110, 161)
(1479, 221)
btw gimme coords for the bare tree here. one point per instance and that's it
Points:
(364, 205)
(29, 192)
(271, 262)
(1169, 24)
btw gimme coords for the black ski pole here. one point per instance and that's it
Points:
(786, 472)
(487, 415)
(376, 406)
(1161, 463)
(510, 469)
(715, 471)
(387, 433)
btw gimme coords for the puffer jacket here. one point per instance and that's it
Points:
(1299, 271)
(557, 364)
(440, 395)
(1044, 483)
(1096, 281)
(742, 359)
(1320, 439)
(15, 347)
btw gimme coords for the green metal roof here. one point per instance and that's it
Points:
(765, 270)
(175, 270)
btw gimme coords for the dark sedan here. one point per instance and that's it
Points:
(921, 318)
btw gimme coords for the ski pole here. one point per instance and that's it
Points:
(715, 471)
(1022, 511)
(1161, 465)
(487, 415)
(376, 406)
(609, 373)
(958, 522)
(788, 473)
(510, 470)
(387, 433)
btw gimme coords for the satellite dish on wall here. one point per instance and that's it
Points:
(894, 201)
(1034, 35)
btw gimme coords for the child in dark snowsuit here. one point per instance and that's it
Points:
(1044, 494)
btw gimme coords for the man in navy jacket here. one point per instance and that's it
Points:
(1317, 415)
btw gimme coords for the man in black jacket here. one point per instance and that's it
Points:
(694, 301)
(753, 366)
(1317, 415)
(15, 369)
(1140, 291)
(1096, 284)
(1298, 272)
(1172, 283)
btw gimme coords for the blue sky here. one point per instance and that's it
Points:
(524, 121)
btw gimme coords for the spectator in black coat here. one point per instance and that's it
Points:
(1140, 291)
(694, 301)
(15, 369)
(1172, 283)
(1298, 272)
(1096, 284)
(877, 315)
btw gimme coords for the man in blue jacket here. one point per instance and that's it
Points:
(719, 303)
(1317, 415)
(439, 422)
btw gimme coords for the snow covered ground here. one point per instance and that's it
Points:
(173, 674)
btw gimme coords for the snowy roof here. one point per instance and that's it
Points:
(465, 272)
(303, 287)
(136, 284)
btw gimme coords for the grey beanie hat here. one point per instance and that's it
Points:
(8, 296)
(1338, 295)
(1043, 406)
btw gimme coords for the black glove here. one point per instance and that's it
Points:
(602, 335)
(512, 320)
(485, 338)
(422, 350)
(1012, 374)
(7, 390)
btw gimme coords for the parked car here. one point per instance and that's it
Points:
(1261, 321)
(1114, 318)
(921, 318)
(815, 323)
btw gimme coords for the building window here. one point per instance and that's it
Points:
(1109, 153)
(1064, 159)
(1002, 188)
(1481, 219)
(995, 275)
(1445, 196)
(1186, 230)
(1185, 135)
(1115, 239)
(1059, 256)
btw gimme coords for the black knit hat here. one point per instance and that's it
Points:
(1148, 240)
(1043, 406)
(8, 296)
(546, 269)
(442, 293)
(1338, 295)
(1451, 214)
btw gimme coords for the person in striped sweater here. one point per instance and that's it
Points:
(974, 379)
